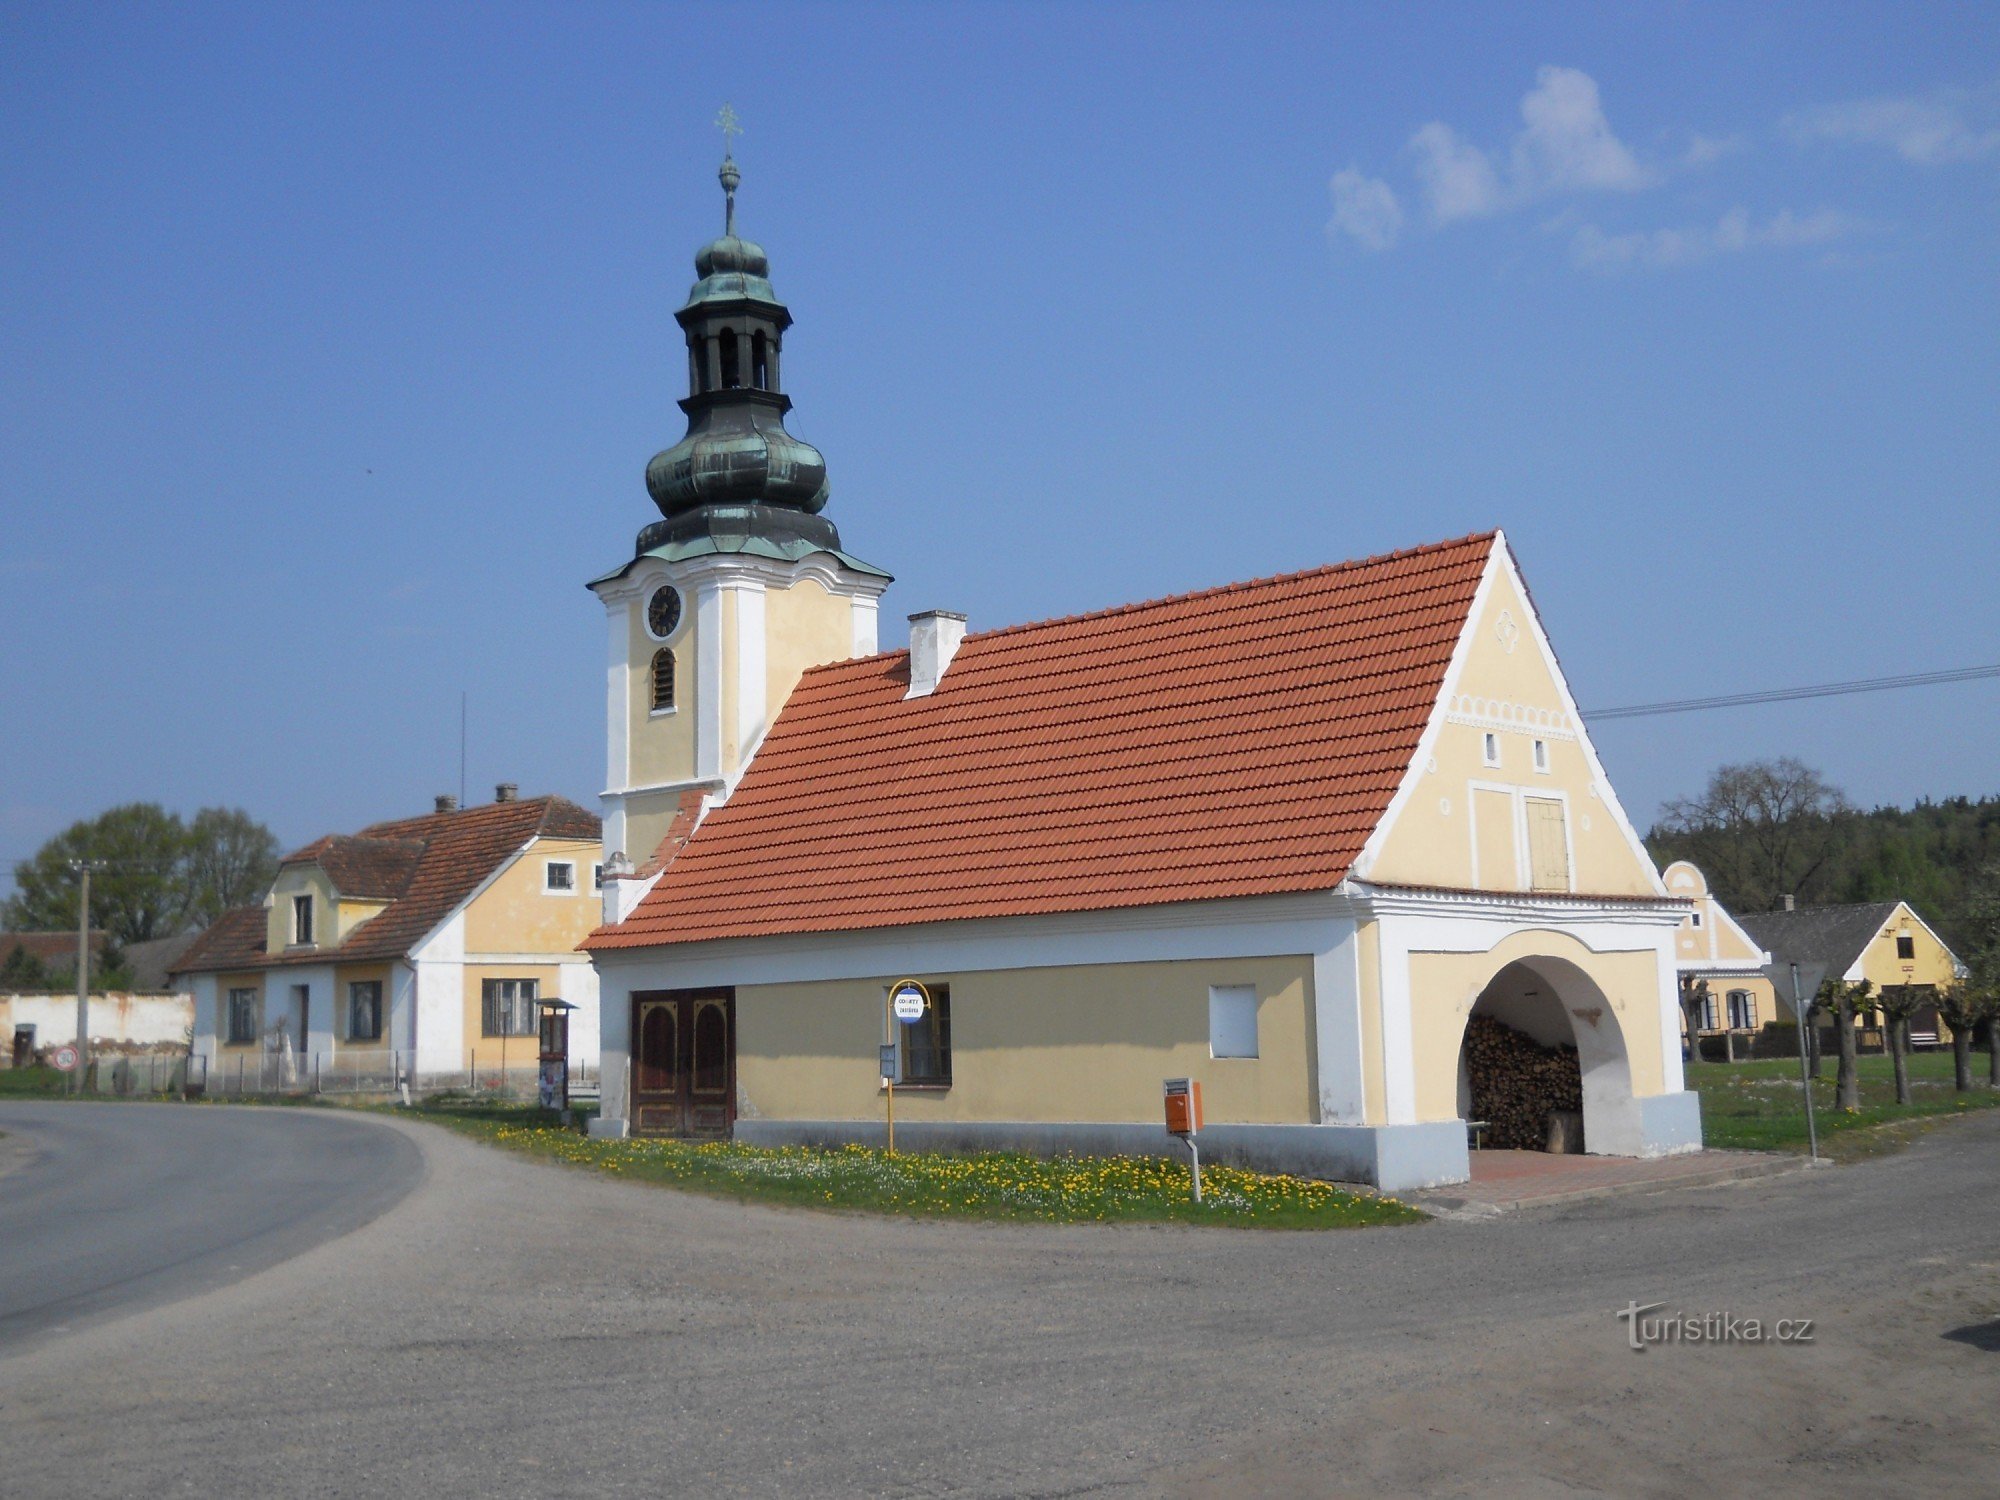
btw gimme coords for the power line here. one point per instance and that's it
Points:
(1788, 695)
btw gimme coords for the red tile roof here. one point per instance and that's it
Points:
(1237, 742)
(454, 852)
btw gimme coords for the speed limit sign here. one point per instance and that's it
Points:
(64, 1058)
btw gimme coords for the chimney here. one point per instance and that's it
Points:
(1789, 904)
(507, 791)
(446, 802)
(934, 638)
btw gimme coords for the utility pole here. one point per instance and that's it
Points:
(82, 975)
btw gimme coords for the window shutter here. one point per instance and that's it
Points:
(1548, 846)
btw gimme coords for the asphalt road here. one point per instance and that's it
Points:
(510, 1328)
(107, 1209)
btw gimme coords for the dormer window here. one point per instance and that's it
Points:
(302, 920)
(663, 680)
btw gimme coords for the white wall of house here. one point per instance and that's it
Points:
(117, 1016)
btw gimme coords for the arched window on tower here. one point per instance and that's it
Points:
(697, 373)
(732, 375)
(663, 680)
(760, 365)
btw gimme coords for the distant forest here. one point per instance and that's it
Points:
(1765, 830)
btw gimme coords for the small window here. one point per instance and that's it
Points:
(1742, 1011)
(663, 680)
(1491, 748)
(1697, 919)
(507, 1007)
(1906, 945)
(597, 878)
(925, 1044)
(760, 363)
(1232, 1020)
(364, 1010)
(242, 1017)
(732, 375)
(559, 876)
(302, 919)
(1542, 756)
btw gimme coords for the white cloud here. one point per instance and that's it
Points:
(1936, 128)
(1365, 209)
(1735, 232)
(1704, 149)
(1565, 145)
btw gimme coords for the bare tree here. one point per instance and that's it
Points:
(1899, 1002)
(1964, 1007)
(1846, 1001)
(1760, 831)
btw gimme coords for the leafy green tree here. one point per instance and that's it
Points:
(21, 970)
(152, 875)
(231, 858)
(1759, 831)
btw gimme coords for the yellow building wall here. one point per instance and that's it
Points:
(516, 1051)
(301, 880)
(1432, 839)
(804, 626)
(1082, 1043)
(1930, 964)
(662, 746)
(516, 914)
(352, 914)
(1374, 1092)
(1445, 986)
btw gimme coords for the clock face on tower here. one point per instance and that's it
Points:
(663, 611)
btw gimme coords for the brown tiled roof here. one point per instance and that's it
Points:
(57, 947)
(234, 940)
(455, 851)
(364, 868)
(1238, 742)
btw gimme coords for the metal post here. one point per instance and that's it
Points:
(889, 1082)
(1805, 1073)
(83, 979)
(1194, 1151)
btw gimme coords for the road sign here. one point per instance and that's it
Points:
(908, 1001)
(64, 1058)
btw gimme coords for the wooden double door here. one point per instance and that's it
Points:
(684, 1062)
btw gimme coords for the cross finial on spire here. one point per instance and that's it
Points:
(725, 121)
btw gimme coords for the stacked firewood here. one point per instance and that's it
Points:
(1517, 1082)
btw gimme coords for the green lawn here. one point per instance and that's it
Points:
(31, 1083)
(1756, 1106)
(994, 1185)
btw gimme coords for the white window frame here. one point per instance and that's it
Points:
(597, 879)
(549, 885)
(1542, 758)
(304, 933)
(1227, 1034)
(1697, 918)
(1489, 747)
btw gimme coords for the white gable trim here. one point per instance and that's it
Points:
(1502, 557)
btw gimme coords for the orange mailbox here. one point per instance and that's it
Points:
(1183, 1098)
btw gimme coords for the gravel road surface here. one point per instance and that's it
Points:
(513, 1328)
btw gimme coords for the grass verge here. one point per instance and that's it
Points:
(1756, 1106)
(991, 1185)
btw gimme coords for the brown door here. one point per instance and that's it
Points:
(684, 1062)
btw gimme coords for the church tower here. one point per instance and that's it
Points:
(740, 586)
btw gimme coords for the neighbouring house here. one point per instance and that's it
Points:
(145, 1013)
(1713, 949)
(1290, 838)
(416, 949)
(1884, 942)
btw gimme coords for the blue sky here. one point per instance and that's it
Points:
(337, 338)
